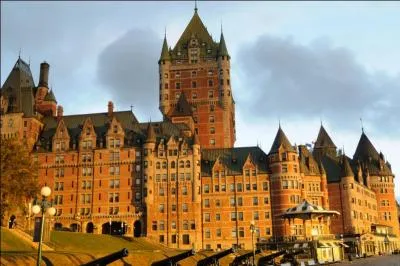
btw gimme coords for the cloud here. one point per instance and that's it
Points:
(295, 81)
(128, 68)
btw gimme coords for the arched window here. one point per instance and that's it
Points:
(173, 164)
(181, 164)
(187, 164)
(158, 165)
(164, 165)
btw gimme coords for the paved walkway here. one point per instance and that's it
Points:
(389, 260)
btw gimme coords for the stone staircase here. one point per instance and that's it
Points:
(29, 239)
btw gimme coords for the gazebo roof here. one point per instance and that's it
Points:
(306, 211)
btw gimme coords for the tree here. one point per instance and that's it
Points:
(19, 182)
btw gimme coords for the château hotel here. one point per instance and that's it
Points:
(180, 181)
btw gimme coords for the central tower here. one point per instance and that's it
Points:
(199, 68)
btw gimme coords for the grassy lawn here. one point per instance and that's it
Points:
(77, 248)
(9, 242)
(98, 244)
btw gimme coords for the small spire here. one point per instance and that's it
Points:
(362, 126)
(195, 6)
(19, 53)
(320, 119)
(165, 32)
(279, 122)
(221, 28)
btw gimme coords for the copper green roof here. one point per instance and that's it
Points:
(164, 52)
(324, 140)
(197, 28)
(281, 140)
(50, 97)
(222, 50)
(365, 149)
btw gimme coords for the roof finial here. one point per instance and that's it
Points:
(195, 6)
(29, 62)
(221, 28)
(279, 122)
(165, 32)
(19, 53)
(131, 107)
(362, 126)
(320, 119)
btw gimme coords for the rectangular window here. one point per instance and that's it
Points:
(177, 85)
(206, 217)
(255, 201)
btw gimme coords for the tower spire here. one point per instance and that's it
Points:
(362, 126)
(195, 6)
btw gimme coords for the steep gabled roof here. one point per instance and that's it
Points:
(281, 140)
(196, 28)
(182, 108)
(324, 140)
(19, 86)
(233, 159)
(101, 121)
(365, 149)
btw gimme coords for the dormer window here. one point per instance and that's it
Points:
(115, 129)
(87, 131)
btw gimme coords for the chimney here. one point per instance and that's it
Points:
(44, 75)
(110, 108)
(60, 112)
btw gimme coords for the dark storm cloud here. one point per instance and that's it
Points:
(290, 80)
(128, 69)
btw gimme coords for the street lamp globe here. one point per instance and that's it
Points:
(36, 209)
(45, 191)
(51, 211)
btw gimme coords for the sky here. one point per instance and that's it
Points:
(300, 63)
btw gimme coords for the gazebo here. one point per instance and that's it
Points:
(307, 211)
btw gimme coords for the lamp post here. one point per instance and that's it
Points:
(253, 230)
(358, 247)
(314, 234)
(341, 238)
(43, 206)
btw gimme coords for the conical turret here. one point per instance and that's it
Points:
(165, 55)
(281, 140)
(365, 149)
(222, 50)
(151, 135)
(346, 170)
(50, 97)
(196, 140)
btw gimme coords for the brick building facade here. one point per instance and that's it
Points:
(180, 181)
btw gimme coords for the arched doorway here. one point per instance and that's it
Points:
(58, 226)
(11, 221)
(75, 227)
(114, 228)
(137, 231)
(89, 228)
